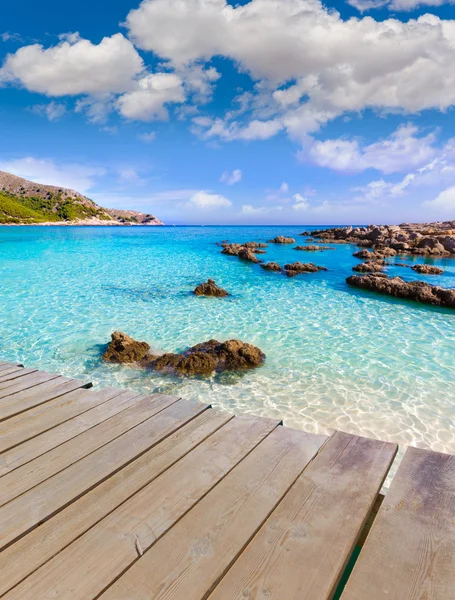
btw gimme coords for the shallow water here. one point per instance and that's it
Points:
(336, 357)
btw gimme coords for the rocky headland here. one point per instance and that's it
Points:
(425, 239)
(200, 360)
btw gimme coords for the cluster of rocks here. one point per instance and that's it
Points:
(419, 291)
(427, 269)
(370, 266)
(209, 288)
(200, 360)
(313, 248)
(427, 239)
(246, 251)
(293, 269)
(281, 239)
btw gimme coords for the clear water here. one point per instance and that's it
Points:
(336, 357)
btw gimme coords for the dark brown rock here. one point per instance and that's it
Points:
(247, 254)
(209, 288)
(281, 239)
(419, 291)
(124, 349)
(369, 267)
(363, 254)
(427, 269)
(296, 268)
(271, 266)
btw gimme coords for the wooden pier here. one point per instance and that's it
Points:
(114, 495)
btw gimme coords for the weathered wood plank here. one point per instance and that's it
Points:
(301, 551)
(33, 550)
(188, 561)
(31, 379)
(105, 404)
(12, 373)
(40, 503)
(41, 468)
(10, 364)
(23, 401)
(41, 418)
(410, 551)
(132, 528)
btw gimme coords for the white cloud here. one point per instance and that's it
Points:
(8, 36)
(45, 171)
(255, 130)
(207, 201)
(402, 151)
(396, 5)
(444, 202)
(148, 101)
(52, 111)
(248, 209)
(147, 137)
(301, 203)
(130, 176)
(339, 65)
(75, 66)
(231, 178)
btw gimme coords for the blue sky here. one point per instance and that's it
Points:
(207, 111)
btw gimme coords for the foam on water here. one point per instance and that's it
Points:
(336, 357)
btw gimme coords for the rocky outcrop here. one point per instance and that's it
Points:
(248, 255)
(419, 291)
(370, 266)
(212, 356)
(296, 268)
(281, 239)
(313, 248)
(364, 254)
(427, 239)
(209, 288)
(271, 266)
(245, 251)
(124, 349)
(427, 270)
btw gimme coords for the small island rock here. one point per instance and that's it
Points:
(209, 288)
(296, 268)
(124, 349)
(271, 266)
(427, 269)
(281, 239)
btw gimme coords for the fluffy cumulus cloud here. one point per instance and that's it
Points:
(405, 149)
(444, 203)
(147, 102)
(231, 177)
(207, 201)
(314, 64)
(75, 66)
(45, 171)
(396, 5)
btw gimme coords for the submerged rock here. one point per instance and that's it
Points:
(281, 239)
(124, 349)
(296, 268)
(427, 269)
(419, 291)
(209, 288)
(271, 266)
(313, 248)
(369, 267)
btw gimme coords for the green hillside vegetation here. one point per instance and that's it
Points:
(19, 209)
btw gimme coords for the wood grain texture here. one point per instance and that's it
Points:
(52, 462)
(33, 550)
(106, 404)
(49, 497)
(190, 559)
(43, 417)
(22, 401)
(302, 549)
(410, 551)
(31, 379)
(105, 551)
(10, 364)
(9, 373)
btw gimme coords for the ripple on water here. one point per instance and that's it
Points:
(336, 357)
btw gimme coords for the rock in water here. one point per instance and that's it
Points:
(271, 266)
(314, 248)
(203, 359)
(124, 349)
(419, 291)
(427, 270)
(247, 254)
(296, 268)
(281, 239)
(209, 288)
(369, 267)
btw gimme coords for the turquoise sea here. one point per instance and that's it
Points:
(336, 357)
